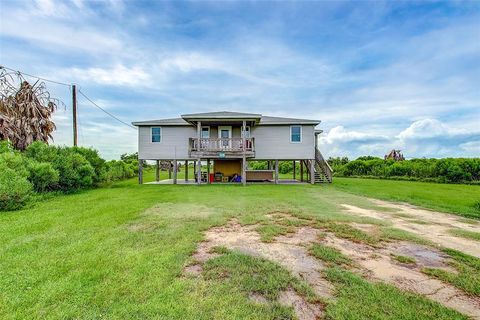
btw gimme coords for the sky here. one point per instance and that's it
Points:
(379, 75)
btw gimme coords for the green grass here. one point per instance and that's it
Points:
(467, 277)
(455, 198)
(359, 299)
(118, 252)
(254, 275)
(329, 255)
(465, 234)
(404, 259)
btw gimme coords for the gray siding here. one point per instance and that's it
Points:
(174, 143)
(273, 142)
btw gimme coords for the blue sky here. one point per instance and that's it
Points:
(380, 75)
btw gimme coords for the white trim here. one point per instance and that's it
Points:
(201, 131)
(247, 129)
(151, 134)
(229, 128)
(301, 134)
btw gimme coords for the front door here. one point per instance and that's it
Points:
(225, 136)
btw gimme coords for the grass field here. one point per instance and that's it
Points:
(119, 252)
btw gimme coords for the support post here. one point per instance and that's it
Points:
(74, 110)
(276, 171)
(186, 170)
(301, 170)
(194, 168)
(140, 171)
(312, 171)
(199, 169)
(175, 171)
(294, 173)
(244, 159)
(157, 171)
(208, 171)
(169, 170)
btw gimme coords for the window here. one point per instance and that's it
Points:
(156, 134)
(247, 132)
(296, 134)
(205, 132)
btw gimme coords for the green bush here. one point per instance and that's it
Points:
(75, 171)
(118, 170)
(41, 152)
(14, 190)
(14, 161)
(6, 146)
(43, 176)
(98, 164)
(449, 170)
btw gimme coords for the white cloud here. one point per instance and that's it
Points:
(425, 128)
(118, 75)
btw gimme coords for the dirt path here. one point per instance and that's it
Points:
(378, 264)
(435, 226)
(288, 251)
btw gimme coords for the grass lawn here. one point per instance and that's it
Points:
(118, 253)
(461, 199)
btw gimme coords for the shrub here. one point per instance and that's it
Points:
(6, 146)
(14, 190)
(14, 161)
(41, 152)
(119, 170)
(43, 176)
(97, 163)
(75, 171)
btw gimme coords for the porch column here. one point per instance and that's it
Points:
(294, 170)
(169, 170)
(186, 170)
(276, 171)
(199, 169)
(208, 171)
(301, 170)
(140, 171)
(244, 160)
(157, 171)
(175, 171)
(312, 171)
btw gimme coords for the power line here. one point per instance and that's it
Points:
(69, 85)
(111, 115)
(29, 75)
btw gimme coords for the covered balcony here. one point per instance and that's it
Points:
(221, 147)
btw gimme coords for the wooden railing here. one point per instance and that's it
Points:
(221, 144)
(323, 164)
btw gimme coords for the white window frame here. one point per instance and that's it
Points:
(301, 134)
(201, 132)
(151, 134)
(249, 130)
(230, 134)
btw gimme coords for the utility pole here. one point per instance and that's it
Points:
(74, 109)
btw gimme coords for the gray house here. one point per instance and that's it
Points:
(230, 140)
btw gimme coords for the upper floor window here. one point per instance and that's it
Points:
(156, 134)
(205, 132)
(296, 134)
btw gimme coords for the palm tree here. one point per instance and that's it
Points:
(25, 113)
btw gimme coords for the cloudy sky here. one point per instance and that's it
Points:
(380, 75)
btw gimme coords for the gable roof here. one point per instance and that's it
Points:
(222, 115)
(226, 115)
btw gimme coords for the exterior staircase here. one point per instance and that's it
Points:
(323, 172)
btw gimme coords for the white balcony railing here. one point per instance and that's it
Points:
(221, 144)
